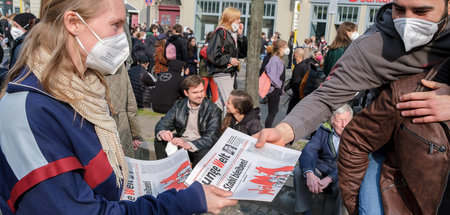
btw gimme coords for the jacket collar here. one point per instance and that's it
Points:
(29, 83)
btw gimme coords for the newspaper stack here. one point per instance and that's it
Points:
(155, 177)
(235, 164)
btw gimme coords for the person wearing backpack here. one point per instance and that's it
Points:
(203, 71)
(176, 46)
(223, 52)
(276, 71)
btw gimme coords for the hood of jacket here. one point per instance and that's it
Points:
(253, 114)
(175, 66)
(173, 38)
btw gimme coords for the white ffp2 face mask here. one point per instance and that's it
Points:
(108, 53)
(354, 35)
(16, 32)
(234, 27)
(287, 51)
(415, 32)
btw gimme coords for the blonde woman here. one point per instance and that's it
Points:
(60, 150)
(223, 52)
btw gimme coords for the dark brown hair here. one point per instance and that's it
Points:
(191, 81)
(342, 39)
(243, 103)
(191, 49)
(177, 28)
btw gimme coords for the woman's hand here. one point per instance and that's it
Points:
(216, 198)
(234, 61)
(136, 144)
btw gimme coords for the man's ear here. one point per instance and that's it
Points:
(73, 23)
(185, 93)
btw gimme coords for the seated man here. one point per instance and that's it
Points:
(195, 119)
(318, 165)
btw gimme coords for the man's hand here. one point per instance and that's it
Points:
(136, 144)
(216, 198)
(166, 135)
(180, 143)
(312, 181)
(325, 182)
(279, 135)
(426, 107)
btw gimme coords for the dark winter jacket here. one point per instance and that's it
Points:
(319, 153)
(150, 41)
(250, 124)
(168, 88)
(15, 51)
(140, 79)
(222, 47)
(180, 44)
(209, 121)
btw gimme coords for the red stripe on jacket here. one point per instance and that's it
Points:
(41, 174)
(98, 170)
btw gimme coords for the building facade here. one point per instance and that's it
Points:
(322, 17)
(308, 17)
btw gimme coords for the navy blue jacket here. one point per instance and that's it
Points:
(320, 153)
(52, 162)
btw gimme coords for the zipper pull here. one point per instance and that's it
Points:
(431, 148)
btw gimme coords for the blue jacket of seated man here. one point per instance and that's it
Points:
(320, 153)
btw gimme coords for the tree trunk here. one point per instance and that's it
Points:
(253, 52)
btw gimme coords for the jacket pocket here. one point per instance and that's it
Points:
(432, 147)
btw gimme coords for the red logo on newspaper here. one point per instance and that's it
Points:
(177, 179)
(270, 178)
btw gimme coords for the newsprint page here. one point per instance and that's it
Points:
(234, 164)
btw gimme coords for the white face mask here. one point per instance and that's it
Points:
(354, 35)
(108, 53)
(415, 32)
(16, 32)
(287, 51)
(234, 27)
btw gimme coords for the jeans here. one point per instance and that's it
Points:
(369, 193)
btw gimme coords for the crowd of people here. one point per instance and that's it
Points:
(76, 77)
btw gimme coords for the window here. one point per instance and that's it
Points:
(318, 20)
(347, 14)
(371, 16)
(208, 7)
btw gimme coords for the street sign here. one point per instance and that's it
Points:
(149, 2)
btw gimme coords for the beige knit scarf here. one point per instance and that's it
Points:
(88, 99)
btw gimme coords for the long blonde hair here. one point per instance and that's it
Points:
(51, 35)
(229, 15)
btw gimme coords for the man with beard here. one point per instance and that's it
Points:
(409, 37)
(195, 119)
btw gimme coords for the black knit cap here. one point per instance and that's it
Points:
(23, 18)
